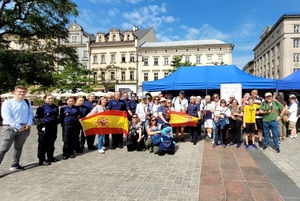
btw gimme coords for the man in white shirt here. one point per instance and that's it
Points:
(143, 112)
(180, 104)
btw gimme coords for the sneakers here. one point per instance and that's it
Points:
(277, 150)
(104, 148)
(260, 144)
(17, 167)
(254, 146)
(247, 146)
(231, 144)
(291, 137)
(214, 145)
(101, 151)
(224, 145)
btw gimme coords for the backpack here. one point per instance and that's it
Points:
(167, 144)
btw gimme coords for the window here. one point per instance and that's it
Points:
(128, 37)
(131, 57)
(295, 69)
(198, 60)
(73, 39)
(131, 75)
(145, 61)
(166, 61)
(166, 74)
(85, 54)
(103, 59)
(296, 57)
(187, 59)
(296, 28)
(123, 75)
(145, 76)
(209, 59)
(220, 59)
(296, 43)
(155, 76)
(95, 59)
(102, 75)
(113, 58)
(156, 61)
(112, 76)
(123, 58)
(114, 37)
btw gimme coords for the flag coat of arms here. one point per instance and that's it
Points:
(106, 122)
(182, 119)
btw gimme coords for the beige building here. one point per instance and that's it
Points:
(277, 55)
(114, 56)
(156, 57)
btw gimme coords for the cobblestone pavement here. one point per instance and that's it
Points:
(115, 175)
(288, 160)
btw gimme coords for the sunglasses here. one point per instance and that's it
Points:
(134, 117)
(153, 120)
(215, 97)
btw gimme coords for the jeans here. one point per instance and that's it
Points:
(273, 126)
(9, 136)
(100, 141)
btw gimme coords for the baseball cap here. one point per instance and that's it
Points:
(162, 99)
(144, 97)
(182, 92)
(268, 94)
(293, 96)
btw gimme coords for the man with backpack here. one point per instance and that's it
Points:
(17, 120)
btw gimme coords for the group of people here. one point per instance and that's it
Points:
(268, 117)
(149, 127)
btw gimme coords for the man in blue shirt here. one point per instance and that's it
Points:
(17, 120)
(117, 104)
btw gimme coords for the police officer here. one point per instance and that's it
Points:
(69, 119)
(90, 103)
(47, 119)
(80, 137)
(117, 104)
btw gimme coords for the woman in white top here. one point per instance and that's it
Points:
(97, 109)
(222, 114)
(155, 106)
(293, 116)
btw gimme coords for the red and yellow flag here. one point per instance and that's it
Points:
(182, 119)
(106, 122)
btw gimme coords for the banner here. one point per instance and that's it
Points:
(106, 122)
(182, 119)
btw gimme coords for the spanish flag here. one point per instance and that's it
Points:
(106, 122)
(182, 119)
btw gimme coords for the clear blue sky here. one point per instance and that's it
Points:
(239, 22)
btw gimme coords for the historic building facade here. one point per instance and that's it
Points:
(277, 54)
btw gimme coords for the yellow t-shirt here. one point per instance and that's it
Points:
(250, 113)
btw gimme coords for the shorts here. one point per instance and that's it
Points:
(208, 123)
(259, 123)
(292, 125)
(250, 128)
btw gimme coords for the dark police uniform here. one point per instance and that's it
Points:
(47, 117)
(80, 137)
(194, 131)
(69, 119)
(117, 105)
(91, 138)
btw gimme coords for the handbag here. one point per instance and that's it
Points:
(156, 139)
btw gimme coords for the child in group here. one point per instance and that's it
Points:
(249, 122)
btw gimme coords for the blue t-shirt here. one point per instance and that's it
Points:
(193, 109)
(163, 111)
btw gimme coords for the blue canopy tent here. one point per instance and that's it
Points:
(291, 82)
(207, 77)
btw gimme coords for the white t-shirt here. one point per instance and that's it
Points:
(293, 112)
(180, 105)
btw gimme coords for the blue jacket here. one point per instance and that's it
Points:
(47, 113)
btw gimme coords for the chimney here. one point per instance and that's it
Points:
(135, 28)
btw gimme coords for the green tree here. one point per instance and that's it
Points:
(74, 77)
(38, 27)
(177, 62)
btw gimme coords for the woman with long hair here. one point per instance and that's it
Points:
(153, 129)
(135, 137)
(100, 107)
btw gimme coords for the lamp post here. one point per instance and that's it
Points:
(137, 73)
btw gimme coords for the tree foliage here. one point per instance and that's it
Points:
(74, 77)
(177, 62)
(31, 41)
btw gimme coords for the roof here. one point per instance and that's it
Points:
(183, 43)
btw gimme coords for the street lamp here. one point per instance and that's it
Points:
(137, 73)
